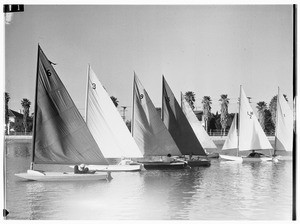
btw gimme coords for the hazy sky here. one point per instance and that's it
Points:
(210, 50)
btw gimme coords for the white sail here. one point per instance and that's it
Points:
(251, 134)
(284, 125)
(201, 134)
(106, 124)
(232, 137)
(148, 130)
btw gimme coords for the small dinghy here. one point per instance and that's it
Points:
(60, 135)
(248, 136)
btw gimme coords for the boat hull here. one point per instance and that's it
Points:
(245, 159)
(60, 176)
(197, 163)
(213, 155)
(116, 168)
(160, 165)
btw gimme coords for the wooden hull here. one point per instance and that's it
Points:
(158, 165)
(245, 159)
(197, 163)
(60, 176)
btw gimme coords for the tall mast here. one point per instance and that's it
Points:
(132, 112)
(239, 120)
(276, 125)
(35, 109)
(86, 95)
(162, 99)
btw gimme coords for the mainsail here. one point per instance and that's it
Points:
(106, 124)
(284, 125)
(199, 130)
(60, 133)
(251, 134)
(232, 138)
(148, 130)
(178, 125)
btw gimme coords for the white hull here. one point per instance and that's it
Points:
(115, 168)
(245, 159)
(60, 176)
(284, 158)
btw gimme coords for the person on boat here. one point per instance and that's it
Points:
(255, 155)
(169, 158)
(81, 169)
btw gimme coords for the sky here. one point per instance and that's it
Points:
(208, 49)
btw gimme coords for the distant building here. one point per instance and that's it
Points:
(15, 122)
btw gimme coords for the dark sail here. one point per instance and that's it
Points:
(60, 133)
(178, 125)
(148, 130)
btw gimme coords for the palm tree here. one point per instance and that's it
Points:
(206, 102)
(224, 112)
(115, 100)
(273, 107)
(190, 98)
(26, 105)
(261, 107)
(7, 98)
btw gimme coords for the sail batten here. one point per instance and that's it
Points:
(178, 125)
(106, 124)
(149, 132)
(61, 135)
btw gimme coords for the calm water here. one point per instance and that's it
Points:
(223, 191)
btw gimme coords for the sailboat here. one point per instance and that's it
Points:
(150, 133)
(108, 128)
(284, 126)
(198, 129)
(60, 135)
(249, 136)
(180, 128)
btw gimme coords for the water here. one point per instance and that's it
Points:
(223, 191)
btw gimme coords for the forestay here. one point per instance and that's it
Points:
(60, 133)
(106, 124)
(198, 129)
(178, 125)
(148, 130)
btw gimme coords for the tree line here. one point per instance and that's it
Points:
(222, 121)
(218, 121)
(26, 125)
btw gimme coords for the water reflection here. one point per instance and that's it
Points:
(223, 191)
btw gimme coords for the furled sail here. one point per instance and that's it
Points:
(106, 124)
(60, 134)
(199, 130)
(148, 130)
(178, 125)
(284, 125)
(251, 134)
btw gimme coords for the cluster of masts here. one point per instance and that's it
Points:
(62, 136)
